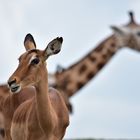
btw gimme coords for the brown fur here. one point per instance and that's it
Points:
(26, 113)
(11, 103)
(44, 116)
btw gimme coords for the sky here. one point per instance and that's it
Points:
(109, 105)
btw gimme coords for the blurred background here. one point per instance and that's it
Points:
(109, 106)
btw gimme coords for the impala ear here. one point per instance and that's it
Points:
(53, 47)
(29, 42)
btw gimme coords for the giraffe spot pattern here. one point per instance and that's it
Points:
(110, 52)
(92, 58)
(104, 56)
(98, 49)
(82, 69)
(90, 75)
(80, 85)
(100, 65)
(113, 44)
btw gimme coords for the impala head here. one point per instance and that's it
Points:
(128, 35)
(32, 63)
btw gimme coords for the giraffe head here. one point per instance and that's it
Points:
(32, 63)
(128, 35)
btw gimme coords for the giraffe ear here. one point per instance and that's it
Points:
(59, 69)
(117, 30)
(53, 47)
(29, 42)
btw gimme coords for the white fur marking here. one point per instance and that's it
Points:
(32, 58)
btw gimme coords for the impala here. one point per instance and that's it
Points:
(44, 116)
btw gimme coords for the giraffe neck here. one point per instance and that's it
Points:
(76, 76)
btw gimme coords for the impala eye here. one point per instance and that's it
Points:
(35, 61)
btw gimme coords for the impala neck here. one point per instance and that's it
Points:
(43, 103)
(76, 76)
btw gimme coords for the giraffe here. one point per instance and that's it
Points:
(75, 77)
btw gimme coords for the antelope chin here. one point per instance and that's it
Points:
(15, 89)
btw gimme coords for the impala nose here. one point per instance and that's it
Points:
(11, 81)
